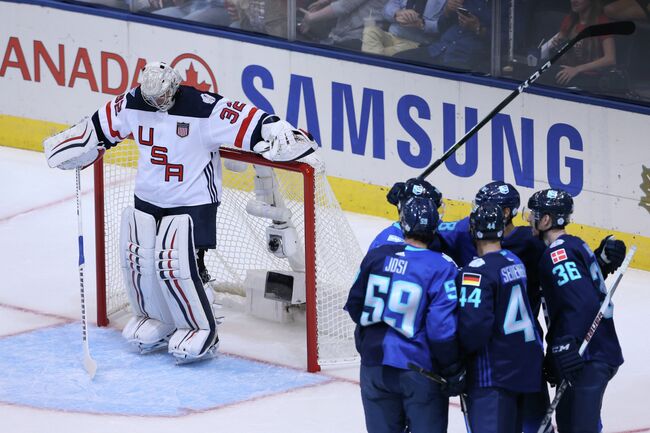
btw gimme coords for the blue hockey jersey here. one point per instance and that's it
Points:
(574, 290)
(458, 241)
(496, 328)
(390, 235)
(458, 244)
(404, 304)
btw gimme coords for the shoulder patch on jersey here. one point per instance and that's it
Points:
(470, 279)
(208, 99)
(476, 263)
(449, 259)
(558, 256)
(393, 238)
(556, 243)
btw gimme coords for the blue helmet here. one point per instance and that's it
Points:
(418, 217)
(501, 193)
(486, 222)
(556, 203)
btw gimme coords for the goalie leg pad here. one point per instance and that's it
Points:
(76, 147)
(152, 323)
(176, 268)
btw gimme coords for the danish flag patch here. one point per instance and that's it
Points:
(558, 255)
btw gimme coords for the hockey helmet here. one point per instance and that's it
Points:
(486, 222)
(556, 203)
(418, 217)
(159, 85)
(501, 193)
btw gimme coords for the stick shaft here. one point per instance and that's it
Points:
(89, 364)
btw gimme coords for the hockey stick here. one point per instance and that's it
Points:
(89, 363)
(590, 333)
(615, 28)
(442, 381)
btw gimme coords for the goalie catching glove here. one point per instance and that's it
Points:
(283, 142)
(76, 147)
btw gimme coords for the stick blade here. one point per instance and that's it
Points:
(90, 365)
(615, 28)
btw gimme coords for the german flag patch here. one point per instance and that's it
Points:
(471, 279)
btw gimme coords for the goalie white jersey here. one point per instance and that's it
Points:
(179, 163)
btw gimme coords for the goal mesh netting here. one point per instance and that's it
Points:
(332, 253)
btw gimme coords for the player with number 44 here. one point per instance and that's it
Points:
(496, 329)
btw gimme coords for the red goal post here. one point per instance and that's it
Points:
(332, 254)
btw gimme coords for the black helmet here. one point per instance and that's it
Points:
(418, 217)
(556, 203)
(501, 193)
(414, 187)
(486, 222)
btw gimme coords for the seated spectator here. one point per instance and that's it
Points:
(262, 16)
(350, 16)
(464, 41)
(589, 59)
(628, 10)
(413, 23)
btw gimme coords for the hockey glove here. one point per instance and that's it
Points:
(610, 254)
(455, 376)
(76, 147)
(565, 361)
(395, 193)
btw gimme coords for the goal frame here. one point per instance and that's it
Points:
(308, 177)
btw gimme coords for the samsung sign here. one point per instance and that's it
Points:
(506, 147)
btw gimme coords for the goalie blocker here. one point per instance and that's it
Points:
(170, 306)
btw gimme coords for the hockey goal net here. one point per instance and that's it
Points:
(332, 254)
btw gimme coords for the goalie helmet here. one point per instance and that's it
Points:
(556, 203)
(501, 193)
(418, 217)
(486, 222)
(159, 85)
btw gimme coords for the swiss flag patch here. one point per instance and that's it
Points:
(558, 255)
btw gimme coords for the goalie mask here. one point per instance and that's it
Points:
(159, 85)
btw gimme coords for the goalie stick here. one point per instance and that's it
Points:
(590, 333)
(442, 381)
(89, 363)
(615, 28)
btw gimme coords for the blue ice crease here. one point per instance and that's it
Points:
(44, 369)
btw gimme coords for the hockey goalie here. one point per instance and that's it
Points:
(172, 223)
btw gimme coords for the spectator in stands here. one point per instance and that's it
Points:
(205, 11)
(413, 23)
(262, 16)
(586, 64)
(628, 10)
(350, 16)
(464, 41)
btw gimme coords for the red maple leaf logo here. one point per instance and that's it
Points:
(192, 79)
